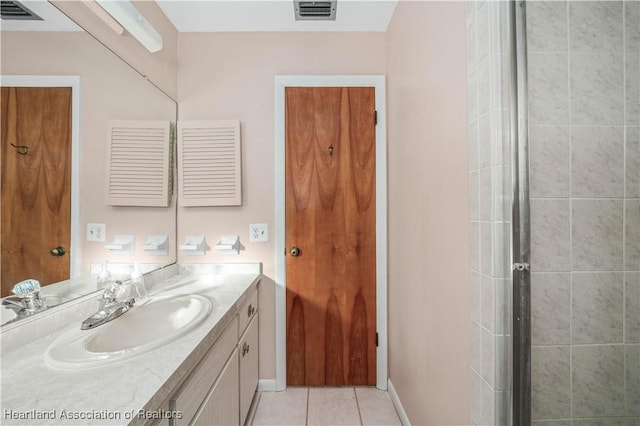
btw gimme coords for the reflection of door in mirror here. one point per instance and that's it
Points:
(36, 181)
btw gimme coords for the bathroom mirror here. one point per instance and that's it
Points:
(57, 52)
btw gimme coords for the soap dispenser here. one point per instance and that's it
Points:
(104, 276)
(137, 281)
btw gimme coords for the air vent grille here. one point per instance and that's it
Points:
(13, 10)
(315, 10)
(209, 163)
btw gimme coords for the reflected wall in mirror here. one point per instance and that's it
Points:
(107, 89)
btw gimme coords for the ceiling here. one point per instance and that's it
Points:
(273, 15)
(232, 15)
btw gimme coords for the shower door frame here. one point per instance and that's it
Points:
(521, 236)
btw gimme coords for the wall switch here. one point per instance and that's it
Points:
(96, 232)
(258, 232)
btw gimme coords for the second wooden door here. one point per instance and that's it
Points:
(36, 182)
(330, 235)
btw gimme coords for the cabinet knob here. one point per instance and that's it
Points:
(250, 310)
(245, 348)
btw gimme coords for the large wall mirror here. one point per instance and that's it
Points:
(60, 89)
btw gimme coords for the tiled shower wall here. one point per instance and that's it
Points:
(489, 183)
(584, 113)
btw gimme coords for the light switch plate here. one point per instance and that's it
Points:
(96, 232)
(258, 232)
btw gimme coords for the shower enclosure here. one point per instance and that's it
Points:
(554, 155)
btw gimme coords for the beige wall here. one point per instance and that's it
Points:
(160, 67)
(429, 292)
(231, 76)
(109, 89)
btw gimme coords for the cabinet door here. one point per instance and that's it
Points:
(248, 347)
(220, 406)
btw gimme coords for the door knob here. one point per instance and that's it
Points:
(295, 251)
(57, 251)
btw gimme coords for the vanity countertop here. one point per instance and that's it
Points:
(33, 393)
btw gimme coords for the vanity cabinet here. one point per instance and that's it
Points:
(248, 354)
(219, 391)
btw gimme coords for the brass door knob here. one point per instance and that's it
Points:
(57, 251)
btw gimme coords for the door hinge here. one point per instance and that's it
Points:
(375, 117)
(376, 339)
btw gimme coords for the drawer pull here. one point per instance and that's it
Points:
(245, 348)
(251, 310)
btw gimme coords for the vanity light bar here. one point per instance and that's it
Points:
(102, 14)
(132, 20)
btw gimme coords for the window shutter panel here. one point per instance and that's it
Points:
(138, 163)
(210, 165)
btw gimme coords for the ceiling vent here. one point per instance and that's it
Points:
(15, 11)
(315, 10)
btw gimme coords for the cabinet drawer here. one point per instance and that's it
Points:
(248, 353)
(248, 310)
(189, 398)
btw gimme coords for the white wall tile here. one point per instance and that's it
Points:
(485, 158)
(598, 380)
(550, 236)
(632, 88)
(597, 161)
(488, 362)
(632, 379)
(595, 26)
(632, 25)
(632, 307)
(597, 235)
(632, 235)
(550, 308)
(550, 382)
(597, 307)
(547, 26)
(486, 248)
(549, 161)
(597, 88)
(548, 88)
(632, 162)
(488, 303)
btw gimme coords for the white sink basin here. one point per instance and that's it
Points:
(147, 326)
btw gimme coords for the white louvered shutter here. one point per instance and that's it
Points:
(209, 163)
(138, 163)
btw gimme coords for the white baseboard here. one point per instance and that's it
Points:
(267, 385)
(396, 403)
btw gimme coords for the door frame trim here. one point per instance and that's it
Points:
(72, 81)
(379, 85)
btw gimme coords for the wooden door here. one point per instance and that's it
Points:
(331, 219)
(36, 184)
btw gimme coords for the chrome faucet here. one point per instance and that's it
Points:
(112, 304)
(27, 300)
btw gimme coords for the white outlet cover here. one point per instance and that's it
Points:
(258, 232)
(96, 232)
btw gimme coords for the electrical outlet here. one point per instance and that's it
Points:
(258, 232)
(96, 232)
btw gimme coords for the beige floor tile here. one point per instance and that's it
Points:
(333, 406)
(286, 408)
(376, 408)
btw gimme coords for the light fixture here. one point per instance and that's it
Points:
(102, 14)
(132, 20)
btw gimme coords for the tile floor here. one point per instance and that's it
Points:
(325, 406)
